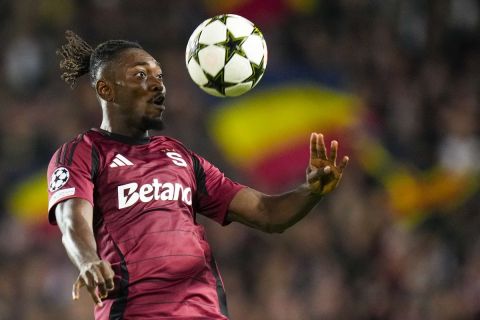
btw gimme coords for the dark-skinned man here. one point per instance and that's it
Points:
(126, 201)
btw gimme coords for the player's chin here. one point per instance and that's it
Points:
(153, 123)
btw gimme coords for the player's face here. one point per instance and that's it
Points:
(139, 89)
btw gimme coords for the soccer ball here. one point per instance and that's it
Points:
(226, 55)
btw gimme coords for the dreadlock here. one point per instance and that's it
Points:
(80, 58)
(76, 58)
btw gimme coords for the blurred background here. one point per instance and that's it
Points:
(395, 81)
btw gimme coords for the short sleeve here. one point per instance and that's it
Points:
(69, 175)
(214, 190)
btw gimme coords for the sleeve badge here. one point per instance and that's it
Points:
(59, 178)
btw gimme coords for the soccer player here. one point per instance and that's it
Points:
(126, 202)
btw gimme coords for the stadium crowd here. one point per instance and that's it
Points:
(414, 64)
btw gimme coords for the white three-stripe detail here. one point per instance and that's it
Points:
(125, 160)
(120, 161)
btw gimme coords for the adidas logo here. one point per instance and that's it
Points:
(120, 161)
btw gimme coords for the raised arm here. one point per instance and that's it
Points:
(74, 217)
(275, 213)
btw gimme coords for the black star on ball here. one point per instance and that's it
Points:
(233, 46)
(216, 82)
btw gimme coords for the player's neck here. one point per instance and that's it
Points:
(124, 130)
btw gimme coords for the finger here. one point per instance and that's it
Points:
(110, 280)
(110, 284)
(99, 282)
(95, 296)
(102, 290)
(88, 279)
(327, 170)
(333, 151)
(344, 163)
(313, 146)
(93, 280)
(322, 151)
(76, 289)
(108, 275)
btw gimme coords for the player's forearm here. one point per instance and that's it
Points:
(272, 213)
(80, 245)
(74, 220)
(284, 210)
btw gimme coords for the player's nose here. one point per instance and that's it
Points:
(156, 85)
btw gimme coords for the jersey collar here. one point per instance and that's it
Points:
(121, 138)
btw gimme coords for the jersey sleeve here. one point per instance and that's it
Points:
(70, 175)
(214, 190)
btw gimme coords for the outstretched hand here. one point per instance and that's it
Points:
(323, 174)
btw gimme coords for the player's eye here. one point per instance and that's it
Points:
(141, 75)
(160, 76)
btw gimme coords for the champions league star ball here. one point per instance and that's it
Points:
(226, 55)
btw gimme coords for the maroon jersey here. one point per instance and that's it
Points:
(145, 194)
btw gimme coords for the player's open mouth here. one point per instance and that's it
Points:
(158, 100)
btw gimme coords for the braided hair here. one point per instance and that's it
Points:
(79, 58)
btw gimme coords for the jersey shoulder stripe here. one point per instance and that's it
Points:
(66, 152)
(95, 162)
(59, 153)
(72, 150)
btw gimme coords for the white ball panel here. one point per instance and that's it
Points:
(253, 48)
(192, 41)
(196, 73)
(212, 59)
(239, 26)
(213, 33)
(237, 69)
(238, 89)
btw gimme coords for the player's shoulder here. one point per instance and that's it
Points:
(77, 146)
(84, 138)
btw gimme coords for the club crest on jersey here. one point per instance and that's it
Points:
(59, 178)
(175, 157)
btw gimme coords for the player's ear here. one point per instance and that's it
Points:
(104, 90)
